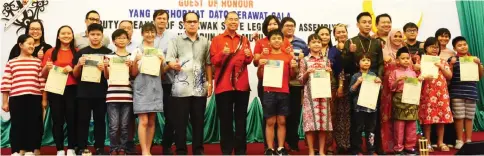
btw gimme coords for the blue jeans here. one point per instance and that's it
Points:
(119, 116)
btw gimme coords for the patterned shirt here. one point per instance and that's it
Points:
(193, 56)
(119, 93)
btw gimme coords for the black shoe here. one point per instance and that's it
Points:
(294, 148)
(399, 153)
(410, 152)
(198, 153)
(130, 149)
(282, 151)
(270, 152)
(167, 151)
(100, 151)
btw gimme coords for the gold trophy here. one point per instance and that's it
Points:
(423, 146)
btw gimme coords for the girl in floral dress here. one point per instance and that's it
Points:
(395, 42)
(316, 112)
(434, 102)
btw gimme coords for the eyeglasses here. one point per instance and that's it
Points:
(93, 19)
(35, 29)
(434, 47)
(289, 25)
(121, 38)
(191, 22)
(412, 31)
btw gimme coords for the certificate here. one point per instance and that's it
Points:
(320, 84)
(118, 71)
(411, 91)
(150, 62)
(428, 66)
(369, 91)
(273, 72)
(56, 81)
(90, 72)
(469, 70)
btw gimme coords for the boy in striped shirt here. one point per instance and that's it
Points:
(119, 98)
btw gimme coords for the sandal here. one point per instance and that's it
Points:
(444, 148)
(431, 149)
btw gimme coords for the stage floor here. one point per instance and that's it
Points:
(252, 148)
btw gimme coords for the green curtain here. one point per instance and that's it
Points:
(471, 19)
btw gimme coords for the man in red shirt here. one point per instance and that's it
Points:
(230, 54)
(276, 99)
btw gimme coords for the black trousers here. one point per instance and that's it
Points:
(26, 122)
(63, 110)
(363, 122)
(169, 112)
(294, 118)
(189, 108)
(98, 107)
(230, 105)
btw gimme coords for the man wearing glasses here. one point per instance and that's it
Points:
(414, 47)
(188, 54)
(82, 39)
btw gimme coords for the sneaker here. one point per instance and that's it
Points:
(85, 152)
(99, 151)
(60, 153)
(29, 154)
(282, 151)
(459, 144)
(16, 154)
(121, 152)
(468, 141)
(270, 152)
(71, 152)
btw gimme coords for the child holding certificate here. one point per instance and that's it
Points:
(22, 87)
(276, 99)
(405, 115)
(148, 91)
(91, 95)
(63, 107)
(364, 118)
(463, 94)
(434, 105)
(119, 98)
(316, 111)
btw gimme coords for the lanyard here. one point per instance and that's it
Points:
(365, 50)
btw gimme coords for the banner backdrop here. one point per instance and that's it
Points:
(309, 14)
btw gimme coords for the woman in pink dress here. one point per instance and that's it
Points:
(434, 105)
(395, 41)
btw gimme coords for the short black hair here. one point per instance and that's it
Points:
(91, 12)
(117, 33)
(382, 15)
(160, 12)
(148, 27)
(128, 21)
(364, 55)
(429, 42)
(231, 12)
(441, 32)
(458, 39)
(402, 50)
(191, 12)
(266, 23)
(287, 19)
(275, 32)
(361, 15)
(95, 26)
(314, 37)
(409, 25)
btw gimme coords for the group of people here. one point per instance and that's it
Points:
(194, 67)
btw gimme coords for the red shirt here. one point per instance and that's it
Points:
(287, 58)
(236, 69)
(64, 58)
(264, 43)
